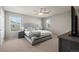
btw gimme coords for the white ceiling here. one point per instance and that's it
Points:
(29, 10)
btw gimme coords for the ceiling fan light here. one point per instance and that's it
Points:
(40, 13)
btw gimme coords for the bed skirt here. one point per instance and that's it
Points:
(39, 40)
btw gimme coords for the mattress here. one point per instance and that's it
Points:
(42, 32)
(38, 40)
(36, 36)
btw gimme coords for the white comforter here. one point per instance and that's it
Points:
(43, 32)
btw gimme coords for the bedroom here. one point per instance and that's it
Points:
(49, 18)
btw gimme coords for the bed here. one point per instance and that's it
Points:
(35, 34)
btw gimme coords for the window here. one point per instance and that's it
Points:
(48, 23)
(15, 23)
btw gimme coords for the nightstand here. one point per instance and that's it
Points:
(21, 34)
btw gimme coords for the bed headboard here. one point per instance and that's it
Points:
(32, 26)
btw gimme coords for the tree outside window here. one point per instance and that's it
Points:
(15, 23)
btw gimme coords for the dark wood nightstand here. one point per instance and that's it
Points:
(21, 34)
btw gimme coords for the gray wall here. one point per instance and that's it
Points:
(25, 19)
(60, 23)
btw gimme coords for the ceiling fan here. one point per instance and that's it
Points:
(42, 11)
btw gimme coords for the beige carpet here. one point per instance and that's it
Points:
(22, 45)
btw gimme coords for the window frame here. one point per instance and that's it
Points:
(10, 23)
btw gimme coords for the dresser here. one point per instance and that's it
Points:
(68, 43)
